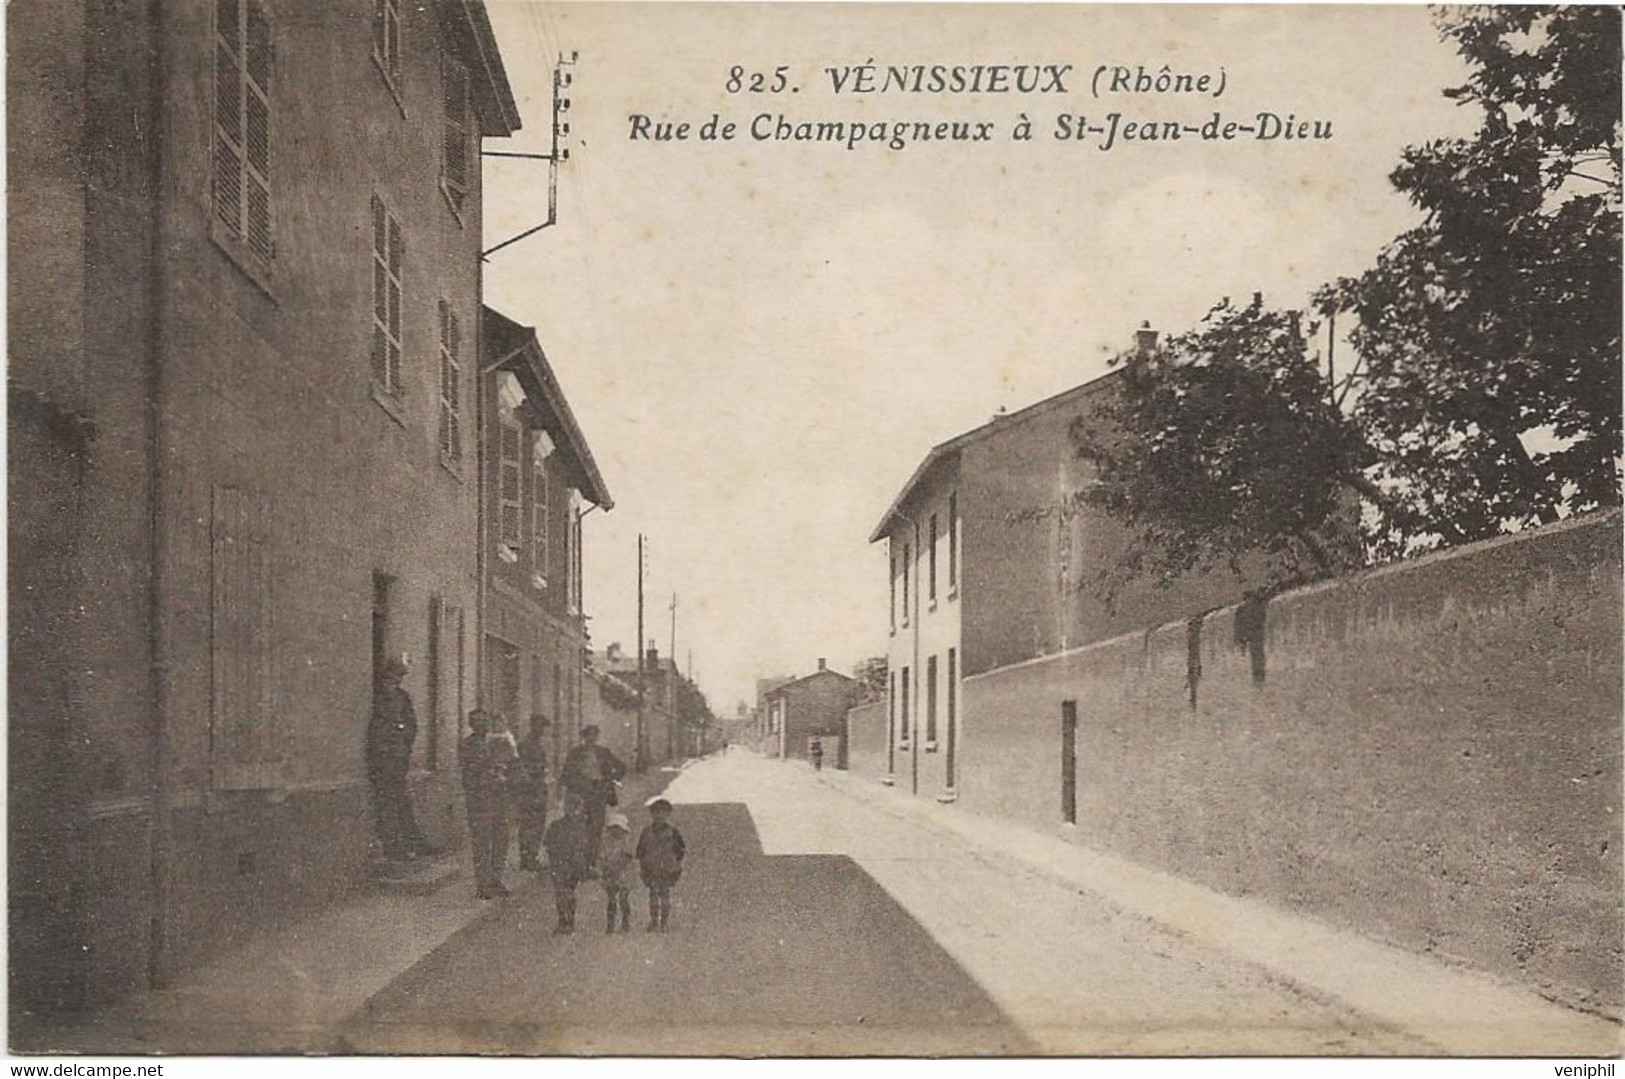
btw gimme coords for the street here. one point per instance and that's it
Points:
(810, 921)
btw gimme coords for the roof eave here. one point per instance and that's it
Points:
(529, 362)
(500, 117)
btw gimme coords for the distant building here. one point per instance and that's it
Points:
(811, 707)
(244, 299)
(992, 564)
(540, 481)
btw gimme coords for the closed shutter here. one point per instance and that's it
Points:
(244, 60)
(243, 749)
(455, 91)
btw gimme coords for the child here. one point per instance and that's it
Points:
(613, 862)
(566, 844)
(660, 860)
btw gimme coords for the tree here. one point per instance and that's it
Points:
(1223, 443)
(1485, 390)
(871, 677)
(1489, 335)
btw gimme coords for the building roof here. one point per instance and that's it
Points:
(945, 452)
(509, 346)
(777, 691)
(467, 19)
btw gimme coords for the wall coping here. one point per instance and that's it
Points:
(1588, 520)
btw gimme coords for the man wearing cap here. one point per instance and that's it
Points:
(390, 734)
(590, 773)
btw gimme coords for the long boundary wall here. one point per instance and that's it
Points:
(1428, 753)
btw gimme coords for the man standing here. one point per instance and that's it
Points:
(483, 769)
(531, 793)
(390, 734)
(590, 773)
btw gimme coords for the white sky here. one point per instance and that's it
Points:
(761, 340)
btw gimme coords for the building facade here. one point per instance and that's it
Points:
(994, 564)
(814, 706)
(243, 294)
(540, 481)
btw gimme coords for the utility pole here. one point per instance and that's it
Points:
(637, 748)
(671, 660)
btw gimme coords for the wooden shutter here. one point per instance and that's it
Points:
(243, 63)
(243, 749)
(388, 260)
(451, 431)
(454, 87)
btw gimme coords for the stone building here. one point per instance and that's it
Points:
(245, 293)
(810, 707)
(540, 481)
(993, 564)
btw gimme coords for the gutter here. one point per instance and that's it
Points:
(159, 824)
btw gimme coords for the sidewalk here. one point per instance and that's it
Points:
(1443, 1010)
(292, 989)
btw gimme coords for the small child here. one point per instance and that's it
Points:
(660, 861)
(613, 862)
(567, 843)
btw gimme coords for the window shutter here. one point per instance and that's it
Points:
(243, 62)
(454, 86)
(243, 747)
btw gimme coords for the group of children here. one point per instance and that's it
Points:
(576, 855)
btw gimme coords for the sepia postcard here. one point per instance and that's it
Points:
(814, 530)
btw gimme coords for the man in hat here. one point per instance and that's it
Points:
(484, 760)
(531, 792)
(590, 773)
(390, 734)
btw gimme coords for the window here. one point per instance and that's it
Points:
(388, 255)
(953, 543)
(510, 438)
(243, 61)
(575, 554)
(906, 558)
(540, 547)
(902, 715)
(454, 156)
(953, 730)
(891, 700)
(931, 702)
(386, 40)
(932, 595)
(894, 592)
(451, 380)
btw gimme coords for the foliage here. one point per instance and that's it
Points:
(1490, 333)
(1485, 394)
(1222, 443)
(871, 677)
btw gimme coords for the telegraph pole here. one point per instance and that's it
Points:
(637, 748)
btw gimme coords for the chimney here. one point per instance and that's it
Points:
(1145, 339)
(823, 666)
(653, 657)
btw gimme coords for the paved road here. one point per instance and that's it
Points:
(800, 954)
(852, 932)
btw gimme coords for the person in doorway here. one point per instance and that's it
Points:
(567, 846)
(614, 864)
(531, 793)
(817, 754)
(482, 759)
(390, 734)
(591, 772)
(660, 862)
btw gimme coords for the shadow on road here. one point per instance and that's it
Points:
(767, 955)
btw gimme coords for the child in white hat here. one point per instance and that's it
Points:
(614, 863)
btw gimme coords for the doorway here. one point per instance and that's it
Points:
(1069, 761)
